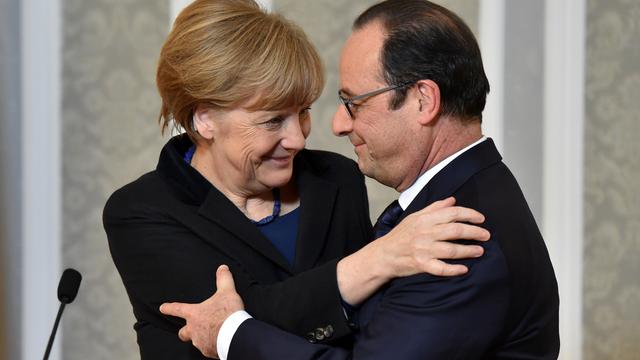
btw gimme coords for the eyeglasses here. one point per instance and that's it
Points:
(349, 102)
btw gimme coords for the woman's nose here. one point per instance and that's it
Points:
(294, 138)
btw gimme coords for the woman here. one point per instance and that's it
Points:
(240, 189)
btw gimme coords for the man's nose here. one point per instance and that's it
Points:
(342, 123)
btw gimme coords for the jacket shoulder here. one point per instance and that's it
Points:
(146, 192)
(330, 165)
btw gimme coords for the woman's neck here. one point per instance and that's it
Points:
(256, 204)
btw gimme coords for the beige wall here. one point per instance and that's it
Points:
(612, 181)
(110, 137)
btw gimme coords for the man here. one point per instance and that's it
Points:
(417, 128)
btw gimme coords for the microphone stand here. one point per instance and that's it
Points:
(55, 329)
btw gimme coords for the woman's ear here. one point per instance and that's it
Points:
(428, 101)
(203, 122)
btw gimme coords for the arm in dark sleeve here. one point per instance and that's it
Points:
(417, 317)
(158, 262)
(162, 261)
(311, 300)
(299, 304)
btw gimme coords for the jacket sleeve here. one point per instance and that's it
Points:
(161, 261)
(416, 317)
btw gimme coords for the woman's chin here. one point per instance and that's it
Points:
(277, 178)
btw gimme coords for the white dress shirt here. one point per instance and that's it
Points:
(233, 322)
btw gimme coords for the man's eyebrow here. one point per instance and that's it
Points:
(346, 92)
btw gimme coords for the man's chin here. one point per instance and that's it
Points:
(365, 168)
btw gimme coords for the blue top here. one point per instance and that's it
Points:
(282, 232)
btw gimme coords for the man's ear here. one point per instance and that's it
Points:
(428, 101)
(203, 122)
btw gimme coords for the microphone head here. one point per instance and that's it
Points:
(69, 285)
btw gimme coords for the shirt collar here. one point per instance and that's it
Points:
(407, 196)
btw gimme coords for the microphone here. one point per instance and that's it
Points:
(67, 291)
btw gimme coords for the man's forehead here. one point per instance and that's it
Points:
(360, 59)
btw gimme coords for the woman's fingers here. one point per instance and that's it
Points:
(441, 268)
(458, 231)
(448, 214)
(449, 250)
(420, 242)
(440, 204)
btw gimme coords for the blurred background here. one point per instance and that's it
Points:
(78, 112)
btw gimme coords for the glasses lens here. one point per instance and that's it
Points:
(346, 103)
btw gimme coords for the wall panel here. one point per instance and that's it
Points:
(612, 189)
(110, 137)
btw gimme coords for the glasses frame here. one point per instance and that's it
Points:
(348, 102)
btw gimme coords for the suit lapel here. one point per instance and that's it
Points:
(218, 209)
(317, 199)
(455, 174)
(444, 184)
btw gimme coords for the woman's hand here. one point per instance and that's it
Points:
(417, 244)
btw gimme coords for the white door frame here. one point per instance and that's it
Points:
(41, 174)
(565, 36)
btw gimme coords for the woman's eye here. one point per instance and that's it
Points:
(274, 123)
(305, 112)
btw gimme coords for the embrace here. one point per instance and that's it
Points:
(243, 244)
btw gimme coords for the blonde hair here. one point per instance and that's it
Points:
(223, 53)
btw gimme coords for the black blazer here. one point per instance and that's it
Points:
(170, 229)
(505, 307)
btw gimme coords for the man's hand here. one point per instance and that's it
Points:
(205, 319)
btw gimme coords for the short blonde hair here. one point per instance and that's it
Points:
(223, 53)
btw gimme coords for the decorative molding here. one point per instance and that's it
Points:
(41, 174)
(563, 161)
(492, 44)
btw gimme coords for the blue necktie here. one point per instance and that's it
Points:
(387, 220)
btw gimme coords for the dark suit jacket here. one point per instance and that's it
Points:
(505, 307)
(170, 229)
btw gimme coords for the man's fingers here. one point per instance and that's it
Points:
(224, 279)
(175, 309)
(184, 334)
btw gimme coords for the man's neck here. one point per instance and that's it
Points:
(450, 139)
